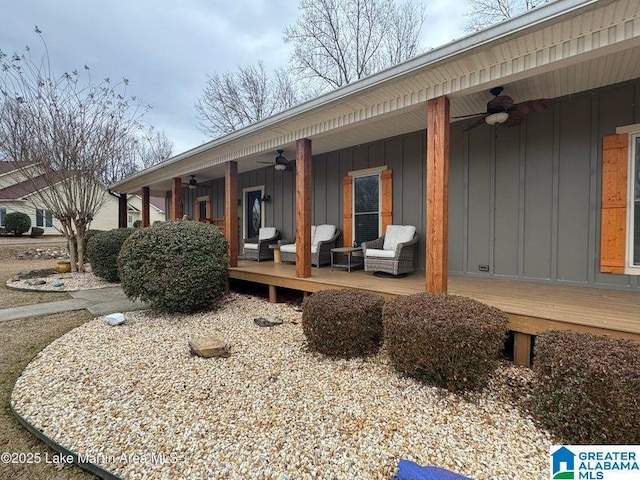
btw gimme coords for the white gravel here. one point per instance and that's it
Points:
(72, 282)
(270, 411)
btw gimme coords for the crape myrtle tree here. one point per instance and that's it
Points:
(78, 130)
(484, 13)
(336, 42)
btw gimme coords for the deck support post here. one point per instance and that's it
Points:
(231, 210)
(437, 207)
(176, 198)
(303, 208)
(122, 211)
(273, 294)
(522, 349)
(146, 200)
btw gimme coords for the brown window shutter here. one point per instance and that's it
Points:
(613, 233)
(347, 210)
(386, 181)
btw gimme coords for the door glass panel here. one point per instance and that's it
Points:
(202, 209)
(366, 208)
(253, 215)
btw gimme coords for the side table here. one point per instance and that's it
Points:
(350, 253)
(276, 252)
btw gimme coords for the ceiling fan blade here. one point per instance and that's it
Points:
(537, 105)
(475, 123)
(266, 163)
(471, 115)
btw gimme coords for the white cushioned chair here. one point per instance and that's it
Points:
(257, 248)
(393, 252)
(323, 239)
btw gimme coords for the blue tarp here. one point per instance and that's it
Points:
(408, 470)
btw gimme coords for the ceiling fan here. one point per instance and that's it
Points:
(192, 183)
(502, 110)
(281, 164)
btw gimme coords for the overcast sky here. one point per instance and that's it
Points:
(167, 48)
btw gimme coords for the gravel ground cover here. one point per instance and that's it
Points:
(71, 282)
(136, 400)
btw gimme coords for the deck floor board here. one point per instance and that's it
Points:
(597, 308)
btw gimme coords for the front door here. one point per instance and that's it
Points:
(253, 213)
(202, 209)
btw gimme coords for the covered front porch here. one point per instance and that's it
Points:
(532, 307)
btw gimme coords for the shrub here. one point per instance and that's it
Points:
(175, 266)
(36, 232)
(450, 341)
(102, 252)
(343, 323)
(17, 223)
(587, 388)
(137, 224)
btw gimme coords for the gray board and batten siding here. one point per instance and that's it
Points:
(525, 201)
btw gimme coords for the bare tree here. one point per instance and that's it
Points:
(483, 13)
(339, 41)
(237, 99)
(154, 148)
(73, 128)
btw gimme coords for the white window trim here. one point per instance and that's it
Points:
(44, 218)
(366, 172)
(244, 210)
(630, 268)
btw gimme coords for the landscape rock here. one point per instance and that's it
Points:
(36, 281)
(267, 321)
(114, 319)
(210, 346)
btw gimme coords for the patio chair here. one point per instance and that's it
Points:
(393, 252)
(257, 248)
(323, 239)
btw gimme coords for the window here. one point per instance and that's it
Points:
(366, 208)
(44, 218)
(3, 213)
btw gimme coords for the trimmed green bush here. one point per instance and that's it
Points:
(102, 252)
(36, 232)
(587, 388)
(175, 266)
(449, 341)
(17, 223)
(343, 323)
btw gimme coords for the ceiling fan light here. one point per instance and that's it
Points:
(280, 167)
(496, 118)
(192, 186)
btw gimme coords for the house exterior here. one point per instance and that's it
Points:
(18, 187)
(550, 197)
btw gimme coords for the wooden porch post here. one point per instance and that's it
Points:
(437, 194)
(122, 211)
(231, 210)
(176, 199)
(303, 208)
(146, 218)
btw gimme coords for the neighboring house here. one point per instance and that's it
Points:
(549, 196)
(18, 187)
(134, 210)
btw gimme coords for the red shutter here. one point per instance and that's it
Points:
(613, 232)
(386, 212)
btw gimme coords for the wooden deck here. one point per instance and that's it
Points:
(532, 307)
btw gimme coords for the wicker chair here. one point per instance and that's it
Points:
(258, 248)
(323, 239)
(393, 252)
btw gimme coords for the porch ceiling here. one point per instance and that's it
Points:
(564, 47)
